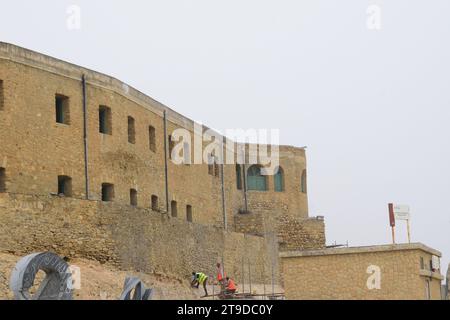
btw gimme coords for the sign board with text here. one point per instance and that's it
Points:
(401, 212)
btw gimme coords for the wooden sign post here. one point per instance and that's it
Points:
(399, 212)
(392, 220)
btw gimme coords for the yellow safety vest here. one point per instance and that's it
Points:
(201, 277)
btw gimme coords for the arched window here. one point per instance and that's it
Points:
(279, 180)
(256, 181)
(304, 187)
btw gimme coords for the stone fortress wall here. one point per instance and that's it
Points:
(130, 238)
(41, 154)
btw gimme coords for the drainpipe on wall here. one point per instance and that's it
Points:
(166, 171)
(225, 222)
(245, 188)
(85, 136)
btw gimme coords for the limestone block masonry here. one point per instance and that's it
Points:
(390, 272)
(36, 149)
(127, 237)
(67, 130)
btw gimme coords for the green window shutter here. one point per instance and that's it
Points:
(256, 181)
(278, 182)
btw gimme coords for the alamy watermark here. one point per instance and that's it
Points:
(373, 21)
(374, 280)
(255, 146)
(73, 21)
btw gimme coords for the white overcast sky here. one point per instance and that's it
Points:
(373, 107)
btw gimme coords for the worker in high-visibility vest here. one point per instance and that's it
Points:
(198, 279)
(231, 286)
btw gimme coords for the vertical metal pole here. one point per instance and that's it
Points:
(393, 235)
(409, 230)
(243, 276)
(223, 266)
(224, 209)
(224, 285)
(85, 137)
(166, 170)
(249, 276)
(264, 280)
(273, 282)
(392, 220)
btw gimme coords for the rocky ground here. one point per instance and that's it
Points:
(104, 282)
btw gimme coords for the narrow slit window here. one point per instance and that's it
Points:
(133, 197)
(62, 109)
(239, 177)
(2, 180)
(174, 209)
(155, 205)
(65, 186)
(131, 130)
(152, 138)
(107, 192)
(189, 217)
(304, 187)
(211, 164)
(105, 120)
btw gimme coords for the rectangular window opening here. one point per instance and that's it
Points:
(62, 109)
(2, 180)
(210, 164)
(65, 186)
(152, 138)
(105, 120)
(107, 192)
(155, 205)
(174, 209)
(131, 130)
(189, 213)
(133, 198)
(239, 176)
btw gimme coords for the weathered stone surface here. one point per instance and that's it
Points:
(35, 150)
(128, 237)
(345, 273)
(292, 233)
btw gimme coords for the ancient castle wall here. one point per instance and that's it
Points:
(35, 149)
(292, 233)
(128, 237)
